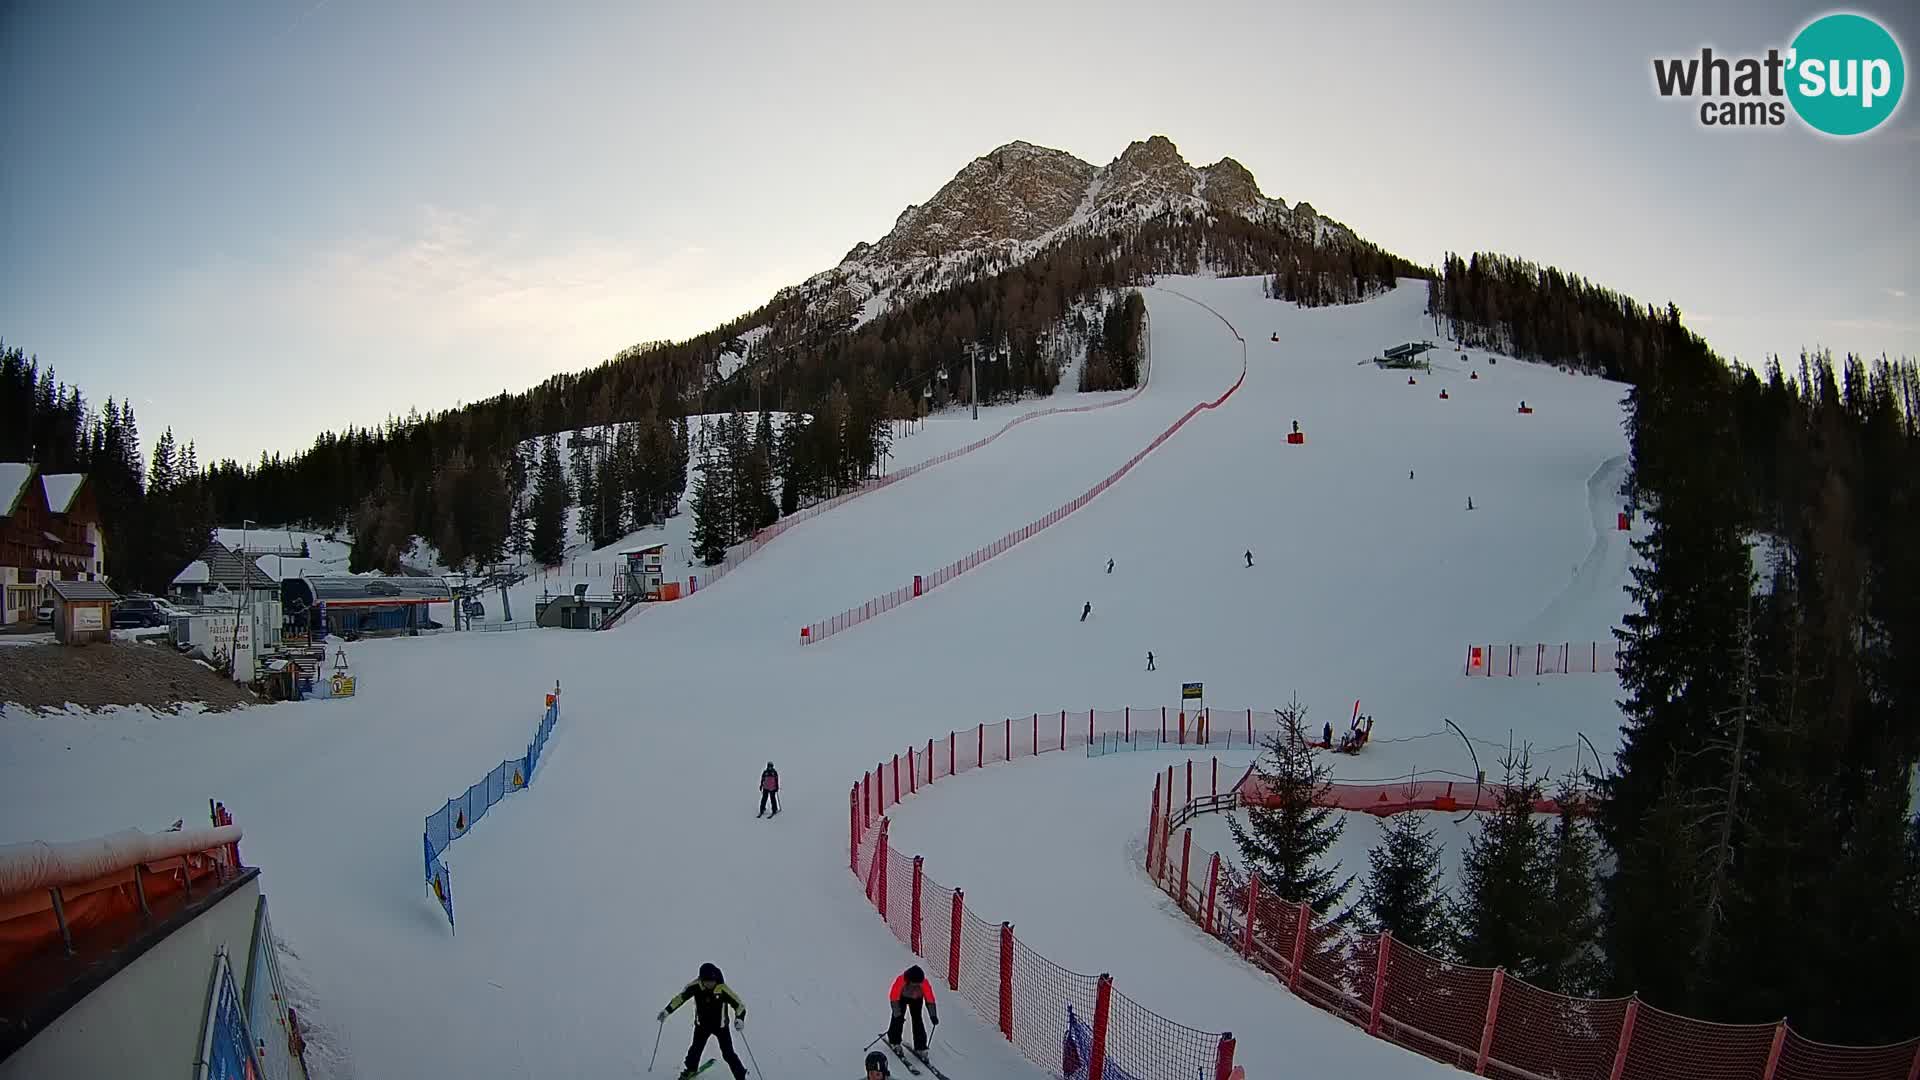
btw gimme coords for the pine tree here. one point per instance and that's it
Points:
(586, 484)
(1403, 893)
(550, 502)
(1497, 916)
(711, 513)
(1570, 925)
(1284, 843)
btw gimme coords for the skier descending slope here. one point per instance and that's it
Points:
(711, 998)
(769, 791)
(1086, 610)
(877, 1066)
(911, 991)
(1249, 558)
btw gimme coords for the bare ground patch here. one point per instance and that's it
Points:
(95, 676)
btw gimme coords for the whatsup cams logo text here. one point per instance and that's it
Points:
(1842, 75)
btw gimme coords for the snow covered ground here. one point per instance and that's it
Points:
(587, 900)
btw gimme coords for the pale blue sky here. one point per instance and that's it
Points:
(262, 220)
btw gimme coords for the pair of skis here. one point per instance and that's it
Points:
(908, 1061)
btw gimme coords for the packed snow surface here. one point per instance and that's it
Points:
(587, 900)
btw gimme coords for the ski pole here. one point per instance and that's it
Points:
(656, 1044)
(750, 1057)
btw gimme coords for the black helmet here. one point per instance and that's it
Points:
(709, 973)
(878, 1060)
(914, 974)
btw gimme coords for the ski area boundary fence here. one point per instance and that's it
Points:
(926, 583)
(1481, 1020)
(460, 813)
(1544, 658)
(709, 574)
(1076, 1026)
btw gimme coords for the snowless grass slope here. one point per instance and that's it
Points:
(587, 900)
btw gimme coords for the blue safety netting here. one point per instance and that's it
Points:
(459, 814)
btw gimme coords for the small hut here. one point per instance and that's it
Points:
(82, 612)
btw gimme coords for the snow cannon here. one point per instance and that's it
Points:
(1443, 393)
(1296, 437)
(1473, 375)
(1525, 409)
(1626, 520)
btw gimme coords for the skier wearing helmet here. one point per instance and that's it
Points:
(877, 1066)
(711, 998)
(911, 991)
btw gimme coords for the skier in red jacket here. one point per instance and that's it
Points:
(910, 991)
(769, 791)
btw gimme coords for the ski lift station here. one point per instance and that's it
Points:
(1406, 355)
(346, 605)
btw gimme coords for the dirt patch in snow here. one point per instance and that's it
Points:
(95, 676)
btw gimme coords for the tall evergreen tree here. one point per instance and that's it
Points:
(712, 512)
(1570, 960)
(1285, 844)
(551, 499)
(1403, 893)
(1497, 915)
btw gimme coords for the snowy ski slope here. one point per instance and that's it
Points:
(587, 900)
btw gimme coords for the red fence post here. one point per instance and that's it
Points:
(896, 778)
(880, 870)
(1253, 908)
(1089, 727)
(1493, 1017)
(951, 767)
(917, 877)
(1036, 735)
(953, 945)
(1153, 823)
(853, 830)
(1626, 1038)
(1249, 727)
(913, 774)
(1773, 1054)
(1213, 887)
(867, 805)
(1008, 735)
(1163, 724)
(1189, 781)
(1063, 729)
(1182, 733)
(1223, 1065)
(1379, 981)
(1186, 853)
(930, 764)
(1102, 1005)
(1126, 724)
(1302, 915)
(1006, 980)
(980, 751)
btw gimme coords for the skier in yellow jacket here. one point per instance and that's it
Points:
(711, 998)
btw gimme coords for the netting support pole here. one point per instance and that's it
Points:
(1223, 1064)
(1063, 729)
(913, 774)
(1216, 777)
(1302, 915)
(880, 865)
(1036, 737)
(1626, 1038)
(896, 777)
(1006, 980)
(1249, 727)
(1089, 727)
(1182, 733)
(1007, 735)
(1493, 1018)
(1163, 725)
(1126, 724)
(1102, 1006)
(950, 758)
(1773, 1053)
(1213, 887)
(867, 806)
(917, 878)
(1379, 982)
(980, 750)
(1186, 853)
(853, 830)
(954, 923)
(1253, 910)
(1153, 824)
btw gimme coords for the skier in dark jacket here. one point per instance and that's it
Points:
(1086, 610)
(877, 1066)
(1249, 558)
(911, 991)
(769, 791)
(711, 998)
(1109, 566)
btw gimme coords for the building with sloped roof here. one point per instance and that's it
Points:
(352, 606)
(50, 530)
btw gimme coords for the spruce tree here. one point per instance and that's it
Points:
(586, 484)
(1285, 843)
(712, 515)
(1402, 893)
(1497, 915)
(550, 502)
(1570, 961)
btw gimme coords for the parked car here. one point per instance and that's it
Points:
(143, 611)
(44, 615)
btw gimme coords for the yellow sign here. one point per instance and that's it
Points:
(1190, 691)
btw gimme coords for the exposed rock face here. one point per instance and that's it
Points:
(1008, 205)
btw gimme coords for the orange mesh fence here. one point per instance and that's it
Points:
(1439, 1008)
(1052, 1015)
(925, 583)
